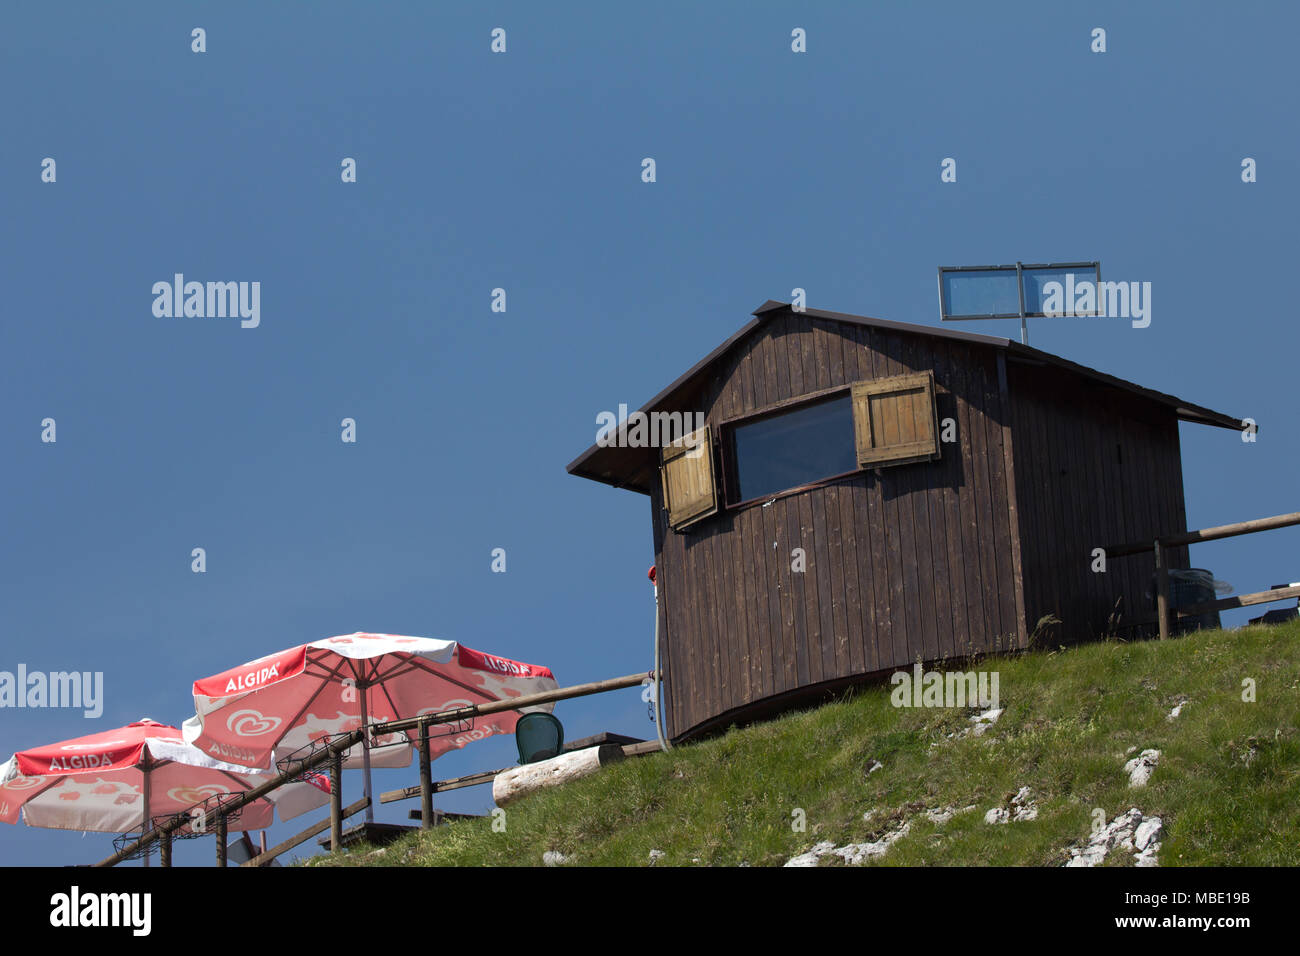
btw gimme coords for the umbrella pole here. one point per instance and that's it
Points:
(336, 802)
(365, 757)
(426, 780)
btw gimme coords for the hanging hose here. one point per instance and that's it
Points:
(658, 692)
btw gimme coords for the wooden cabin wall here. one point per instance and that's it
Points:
(1093, 468)
(920, 561)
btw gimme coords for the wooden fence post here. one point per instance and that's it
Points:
(426, 780)
(1162, 589)
(222, 836)
(336, 802)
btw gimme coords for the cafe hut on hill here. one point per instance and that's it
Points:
(864, 493)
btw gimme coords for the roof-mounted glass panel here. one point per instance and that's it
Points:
(1009, 292)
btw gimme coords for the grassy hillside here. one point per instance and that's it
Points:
(1227, 786)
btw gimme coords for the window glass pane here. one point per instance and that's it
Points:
(1035, 279)
(795, 448)
(981, 292)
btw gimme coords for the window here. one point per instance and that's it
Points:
(872, 424)
(793, 448)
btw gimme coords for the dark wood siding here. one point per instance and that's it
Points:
(1092, 469)
(918, 560)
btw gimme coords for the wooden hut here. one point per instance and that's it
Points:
(864, 493)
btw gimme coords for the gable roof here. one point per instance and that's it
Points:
(635, 468)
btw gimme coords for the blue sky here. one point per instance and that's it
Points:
(522, 170)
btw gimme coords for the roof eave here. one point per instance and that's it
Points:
(1185, 411)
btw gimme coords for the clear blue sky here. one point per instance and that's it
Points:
(775, 170)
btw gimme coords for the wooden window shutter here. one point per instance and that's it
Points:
(894, 420)
(687, 473)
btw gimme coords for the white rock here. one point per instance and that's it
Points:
(1119, 833)
(1022, 809)
(852, 854)
(1148, 830)
(554, 858)
(656, 856)
(1139, 769)
(1148, 856)
(1122, 829)
(811, 857)
(985, 720)
(873, 767)
(856, 853)
(1178, 709)
(1089, 856)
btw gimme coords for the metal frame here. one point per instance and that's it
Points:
(1019, 268)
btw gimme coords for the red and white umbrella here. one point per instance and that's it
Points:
(276, 705)
(118, 780)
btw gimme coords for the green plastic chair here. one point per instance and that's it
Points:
(539, 737)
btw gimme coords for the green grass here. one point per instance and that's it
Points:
(1227, 787)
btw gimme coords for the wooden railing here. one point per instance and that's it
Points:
(264, 858)
(1162, 544)
(333, 753)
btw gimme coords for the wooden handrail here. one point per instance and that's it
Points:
(513, 703)
(1239, 600)
(441, 786)
(180, 820)
(346, 741)
(1206, 534)
(263, 859)
(1160, 545)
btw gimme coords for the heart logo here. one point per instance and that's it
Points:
(251, 723)
(188, 796)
